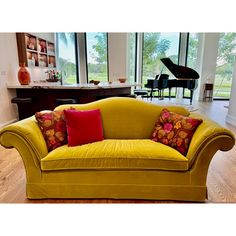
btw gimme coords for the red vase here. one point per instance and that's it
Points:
(23, 75)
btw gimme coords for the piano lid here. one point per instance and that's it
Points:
(180, 72)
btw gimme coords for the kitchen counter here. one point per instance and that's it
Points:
(44, 96)
(57, 85)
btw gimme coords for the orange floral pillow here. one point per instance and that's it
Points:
(53, 127)
(175, 130)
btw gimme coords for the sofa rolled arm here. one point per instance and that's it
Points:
(206, 141)
(27, 138)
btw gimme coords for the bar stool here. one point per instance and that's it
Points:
(208, 92)
(25, 108)
(61, 101)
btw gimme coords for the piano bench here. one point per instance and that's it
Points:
(141, 92)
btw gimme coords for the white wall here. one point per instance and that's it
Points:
(82, 55)
(9, 66)
(117, 49)
(208, 50)
(182, 51)
(47, 36)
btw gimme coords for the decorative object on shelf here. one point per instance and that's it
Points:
(53, 76)
(95, 82)
(23, 75)
(208, 92)
(122, 80)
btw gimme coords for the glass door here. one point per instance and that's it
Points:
(224, 65)
(96, 46)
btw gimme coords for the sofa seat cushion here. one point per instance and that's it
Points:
(116, 154)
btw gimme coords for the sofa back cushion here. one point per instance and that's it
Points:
(126, 118)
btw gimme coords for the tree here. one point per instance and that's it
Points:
(101, 48)
(66, 37)
(67, 68)
(226, 55)
(227, 46)
(154, 48)
(192, 50)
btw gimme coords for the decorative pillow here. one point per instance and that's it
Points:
(83, 126)
(53, 127)
(175, 130)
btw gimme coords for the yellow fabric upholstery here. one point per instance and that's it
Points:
(116, 154)
(204, 134)
(30, 133)
(126, 118)
(126, 164)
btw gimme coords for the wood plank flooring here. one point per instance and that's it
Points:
(221, 180)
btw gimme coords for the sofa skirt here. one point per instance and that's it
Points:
(114, 184)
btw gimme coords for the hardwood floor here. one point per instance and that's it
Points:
(220, 181)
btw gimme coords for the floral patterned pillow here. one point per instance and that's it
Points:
(53, 127)
(175, 130)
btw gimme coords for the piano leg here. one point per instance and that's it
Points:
(191, 96)
(151, 93)
(162, 94)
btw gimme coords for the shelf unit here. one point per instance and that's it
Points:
(35, 51)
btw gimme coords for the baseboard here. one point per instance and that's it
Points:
(230, 119)
(7, 123)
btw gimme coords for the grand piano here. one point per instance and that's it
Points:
(185, 78)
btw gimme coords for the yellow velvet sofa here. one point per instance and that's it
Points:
(126, 164)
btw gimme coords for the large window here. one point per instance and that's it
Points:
(156, 46)
(96, 45)
(67, 57)
(131, 51)
(225, 63)
(193, 42)
(192, 55)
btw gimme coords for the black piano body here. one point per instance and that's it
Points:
(186, 78)
(189, 84)
(160, 84)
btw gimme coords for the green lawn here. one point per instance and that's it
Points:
(222, 86)
(70, 80)
(92, 76)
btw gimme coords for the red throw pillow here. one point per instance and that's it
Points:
(175, 130)
(53, 127)
(83, 126)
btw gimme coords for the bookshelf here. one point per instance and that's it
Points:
(35, 51)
